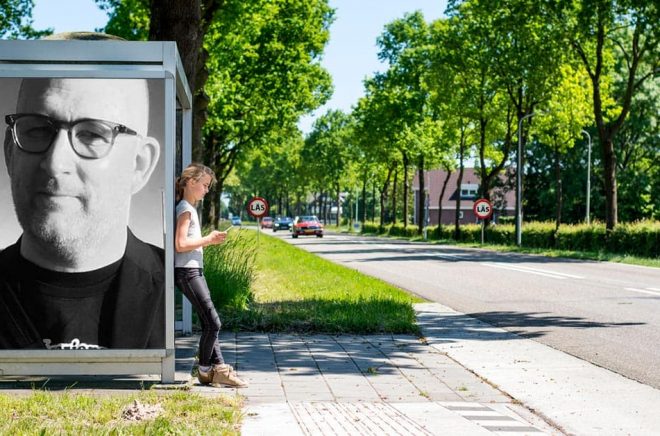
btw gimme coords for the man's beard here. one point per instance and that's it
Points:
(68, 235)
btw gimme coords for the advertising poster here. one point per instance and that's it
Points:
(82, 178)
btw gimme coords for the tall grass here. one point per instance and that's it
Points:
(229, 269)
(297, 291)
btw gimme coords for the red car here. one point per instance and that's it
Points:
(307, 225)
(266, 222)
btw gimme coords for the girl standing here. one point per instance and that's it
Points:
(191, 187)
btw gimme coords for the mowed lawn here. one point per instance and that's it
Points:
(141, 413)
(296, 291)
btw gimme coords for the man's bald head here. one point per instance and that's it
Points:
(123, 101)
(75, 209)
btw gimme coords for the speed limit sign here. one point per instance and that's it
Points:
(483, 209)
(257, 207)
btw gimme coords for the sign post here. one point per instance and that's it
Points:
(483, 209)
(258, 208)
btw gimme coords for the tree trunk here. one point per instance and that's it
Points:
(559, 188)
(338, 206)
(442, 195)
(394, 183)
(373, 202)
(406, 187)
(383, 198)
(363, 209)
(459, 180)
(186, 22)
(421, 204)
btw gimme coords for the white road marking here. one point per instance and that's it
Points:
(644, 291)
(538, 271)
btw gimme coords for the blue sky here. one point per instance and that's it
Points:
(350, 56)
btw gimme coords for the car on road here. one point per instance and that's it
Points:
(282, 223)
(267, 222)
(307, 225)
(236, 220)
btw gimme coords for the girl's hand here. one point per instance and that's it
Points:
(216, 237)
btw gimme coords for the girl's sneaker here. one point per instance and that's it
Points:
(205, 377)
(226, 376)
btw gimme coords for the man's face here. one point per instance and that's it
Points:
(61, 198)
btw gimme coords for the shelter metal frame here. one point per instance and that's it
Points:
(113, 60)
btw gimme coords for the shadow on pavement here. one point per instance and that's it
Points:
(448, 255)
(295, 356)
(72, 383)
(449, 328)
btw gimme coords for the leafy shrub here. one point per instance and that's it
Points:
(641, 238)
(399, 230)
(581, 237)
(637, 239)
(538, 234)
(373, 229)
(503, 234)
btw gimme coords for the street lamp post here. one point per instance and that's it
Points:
(588, 219)
(519, 171)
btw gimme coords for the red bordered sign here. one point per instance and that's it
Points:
(257, 207)
(483, 209)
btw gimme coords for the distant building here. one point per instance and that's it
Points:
(504, 201)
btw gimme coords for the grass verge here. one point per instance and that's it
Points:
(296, 291)
(585, 255)
(569, 254)
(47, 413)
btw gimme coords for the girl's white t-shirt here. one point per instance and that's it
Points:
(193, 258)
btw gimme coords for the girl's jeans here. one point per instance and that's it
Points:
(192, 283)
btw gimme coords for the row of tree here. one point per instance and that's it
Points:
(490, 76)
(475, 86)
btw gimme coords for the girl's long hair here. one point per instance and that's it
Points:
(194, 171)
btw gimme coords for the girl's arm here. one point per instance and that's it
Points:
(183, 244)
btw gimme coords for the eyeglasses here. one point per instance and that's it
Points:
(89, 138)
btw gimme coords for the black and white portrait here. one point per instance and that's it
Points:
(81, 227)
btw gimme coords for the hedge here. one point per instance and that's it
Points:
(637, 239)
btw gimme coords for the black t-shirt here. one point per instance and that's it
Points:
(69, 309)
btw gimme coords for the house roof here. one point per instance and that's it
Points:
(436, 178)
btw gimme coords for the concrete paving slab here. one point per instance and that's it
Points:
(578, 397)
(270, 419)
(355, 385)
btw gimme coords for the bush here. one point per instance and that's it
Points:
(399, 230)
(641, 239)
(373, 229)
(581, 237)
(636, 239)
(538, 234)
(229, 269)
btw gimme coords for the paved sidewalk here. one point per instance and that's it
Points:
(465, 377)
(364, 385)
(577, 396)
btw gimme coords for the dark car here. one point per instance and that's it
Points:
(282, 223)
(307, 225)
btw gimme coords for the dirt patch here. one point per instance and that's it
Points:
(140, 412)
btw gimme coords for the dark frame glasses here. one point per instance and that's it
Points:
(89, 138)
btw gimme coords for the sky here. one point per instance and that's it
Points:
(350, 56)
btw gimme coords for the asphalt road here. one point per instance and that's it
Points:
(605, 313)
